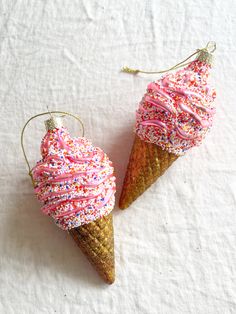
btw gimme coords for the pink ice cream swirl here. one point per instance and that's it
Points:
(74, 180)
(176, 112)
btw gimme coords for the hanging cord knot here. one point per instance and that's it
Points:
(129, 70)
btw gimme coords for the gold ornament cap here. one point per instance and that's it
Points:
(205, 55)
(53, 123)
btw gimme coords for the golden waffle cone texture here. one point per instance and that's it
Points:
(96, 241)
(147, 163)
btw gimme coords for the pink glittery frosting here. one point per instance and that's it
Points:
(176, 112)
(74, 180)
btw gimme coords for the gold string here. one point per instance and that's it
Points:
(38, 115)
(210, 48)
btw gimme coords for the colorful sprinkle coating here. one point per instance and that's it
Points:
(74, 180)
(176, 111)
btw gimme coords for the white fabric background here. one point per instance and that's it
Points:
(175, 246)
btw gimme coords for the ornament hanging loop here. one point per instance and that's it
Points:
(211, 46)
(209, 49)
(38, 115)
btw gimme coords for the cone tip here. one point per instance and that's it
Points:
(123, 205)
(109, 276)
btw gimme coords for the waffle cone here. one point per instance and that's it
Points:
(96, 241)
(147, 163)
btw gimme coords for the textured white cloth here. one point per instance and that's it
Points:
(175, 246)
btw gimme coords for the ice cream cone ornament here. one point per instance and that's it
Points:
(173, 116)
(75, 183)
